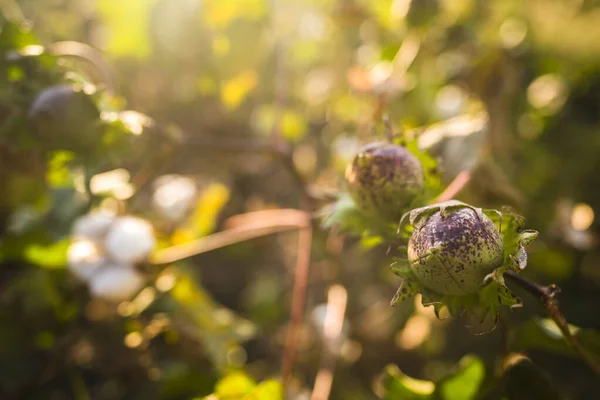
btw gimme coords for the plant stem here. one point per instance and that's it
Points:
(298, 298)
(547, 297)
(457, 184)
(256, 224)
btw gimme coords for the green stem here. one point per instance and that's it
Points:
(547, 296)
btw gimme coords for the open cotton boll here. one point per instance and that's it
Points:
(174, 195)
(116, 283)
(129, 240)
(94, 225)
(84, 258)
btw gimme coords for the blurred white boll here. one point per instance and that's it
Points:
(129, 240)
(84, 258)
(116, 283)
(174, 195)
(94, 225)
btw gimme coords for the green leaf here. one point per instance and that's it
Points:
(48, 256)
(127, 24)
(524, 381)
(234, 385)
(268, 390)
(58, 174)
(399, 386)
(344, 215)
(465, 382)
(238, 385)
(462, 383)
(544, 335)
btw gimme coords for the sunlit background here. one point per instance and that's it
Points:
(510, 88)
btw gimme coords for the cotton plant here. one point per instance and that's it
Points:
(105, 251)
(454, 254)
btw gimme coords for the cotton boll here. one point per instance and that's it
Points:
(116, 283)
(93, 226)
(174, 195)
(129, 240)
(84, 258)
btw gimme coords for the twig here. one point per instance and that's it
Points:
(298, 297)
(280, 221)
(337, 298)
(389, 130)
(457, 184)
(547, 296)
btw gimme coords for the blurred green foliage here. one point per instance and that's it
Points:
(209, 73)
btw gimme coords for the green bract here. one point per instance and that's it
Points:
(457, 255)
(384, 179)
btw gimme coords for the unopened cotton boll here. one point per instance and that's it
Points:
(116, 283)
(84, 258)
(94, 225)
(129, 240)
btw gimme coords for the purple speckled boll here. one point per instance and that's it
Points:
(452, 254)
(383, 179)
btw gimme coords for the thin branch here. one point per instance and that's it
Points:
(457, 184)
(389, 129)
(547, 297)
(279, 221)
(298, 296)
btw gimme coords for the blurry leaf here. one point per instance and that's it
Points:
(58, 174)
(48, 256)
(236, 384)
(15, 36)
(239, 386)
(399, 386)
(180, 380)
(344, 215)
(525, 381)
(465, 382)
(556, 264)
(206, 212)
(219, 14)
(461, 384)
(542, 334)
(15, 73)
(127, 23)
(349, 108)
(292, 124)
(218, 327)
(236, 89)
(268, 390)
